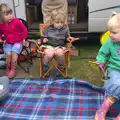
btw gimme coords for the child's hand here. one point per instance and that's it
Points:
(70, 38)
(101, 65)
(45, 40)
(24, 42)
(1, 41)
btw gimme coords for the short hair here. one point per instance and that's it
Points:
(114, 22)
(57, 15)
(4, 9)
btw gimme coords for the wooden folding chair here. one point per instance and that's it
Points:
(67, 52)
(26, 53)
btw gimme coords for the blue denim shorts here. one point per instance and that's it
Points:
(17, 48)
(112, 86)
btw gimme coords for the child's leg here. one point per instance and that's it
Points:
(7, 50)
(112, 87)
(13, 65)
(101, 113)
(16, 49)
(8, 62)
(118, 117)
(60, 57)
(49, 53)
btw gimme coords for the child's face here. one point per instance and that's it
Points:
(8, 17)
(115, 36)
(58, 24)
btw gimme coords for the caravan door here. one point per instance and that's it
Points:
(99, 12)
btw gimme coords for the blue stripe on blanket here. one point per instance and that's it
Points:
(53, 99)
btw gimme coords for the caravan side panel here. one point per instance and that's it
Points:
(99, 12)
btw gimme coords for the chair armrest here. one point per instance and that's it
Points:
(74, 39)
(38, 44)
(67, 50)
(70, 42)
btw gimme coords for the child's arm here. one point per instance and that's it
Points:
(101, 65)
(44, 38)
(24, 42)
(103, 54)
(69, 39)
(23, 29)
(1, 37)
(1, 41)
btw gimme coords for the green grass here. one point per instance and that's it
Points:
(81, 68)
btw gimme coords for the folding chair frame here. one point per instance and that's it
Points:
(66, 52)
(27, 58)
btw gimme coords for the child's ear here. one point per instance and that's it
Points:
(113, 14)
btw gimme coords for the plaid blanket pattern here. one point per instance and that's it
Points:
(53, 99)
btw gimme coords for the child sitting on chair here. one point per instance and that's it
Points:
(15, 33)
(56, 35)
(110, 53)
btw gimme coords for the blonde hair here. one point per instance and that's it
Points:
(57, 15)
(4, 9)
(114, 22)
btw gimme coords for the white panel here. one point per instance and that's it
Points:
(104, 13)
(100, 4)
(20, 9)
(97, 25)
(98, 20)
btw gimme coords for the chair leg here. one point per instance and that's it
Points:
(28, 59)
(57, 68)
(66, 64)
(41, 66)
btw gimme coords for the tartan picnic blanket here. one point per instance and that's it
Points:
(53, 99)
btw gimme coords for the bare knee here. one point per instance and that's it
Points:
(49, 53)
(59, 52)
(8, 54)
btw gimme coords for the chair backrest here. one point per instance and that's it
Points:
(25, 23)
(44, 26)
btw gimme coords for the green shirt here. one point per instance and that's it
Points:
(110, 53)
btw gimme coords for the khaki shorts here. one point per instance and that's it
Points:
(51, 47)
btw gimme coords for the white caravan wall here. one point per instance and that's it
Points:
(20, 11)
(98, 20)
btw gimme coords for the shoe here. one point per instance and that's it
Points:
(101, 113)
(12, 72)
(118, 117)
(58, 74)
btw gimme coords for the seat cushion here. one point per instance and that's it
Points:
(4, 81)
